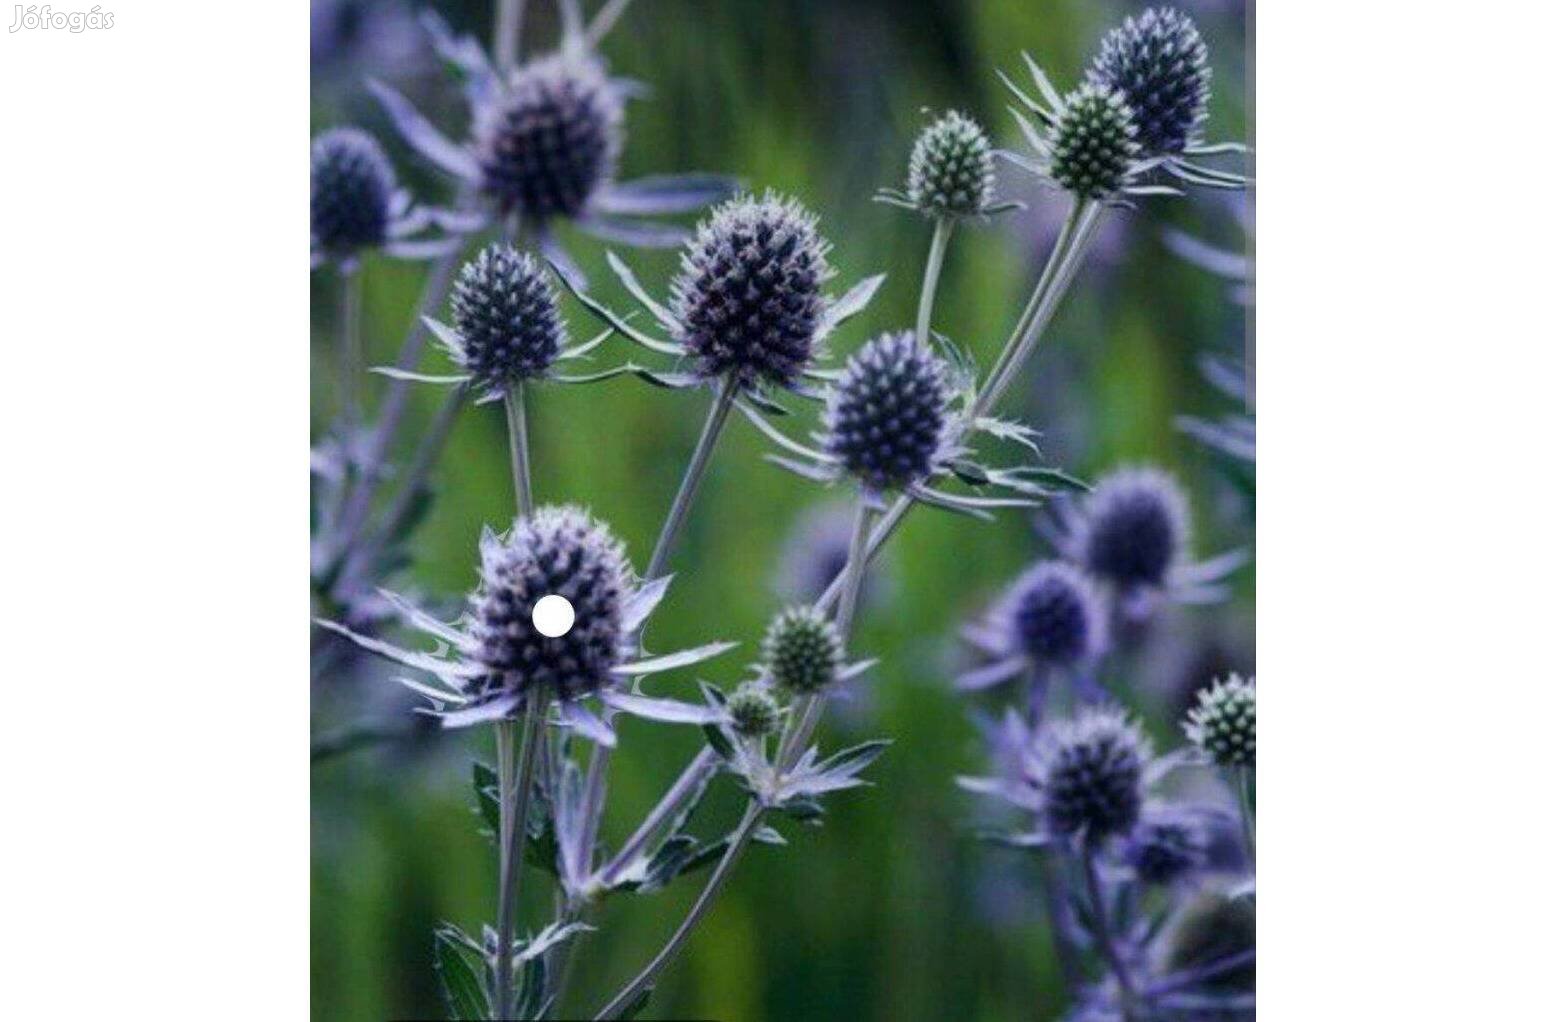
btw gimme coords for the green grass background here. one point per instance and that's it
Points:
(892, 910)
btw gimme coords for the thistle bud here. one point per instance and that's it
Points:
(951, 171)
(1093, 783)
(1056, 618)
(560, 551)
(1223, 724)
(1159, 64)
(1093, 142)
(753, 710)
(748, 298)
(1134, 528)
(507, 318)
(1166, 847)
(802, 652)
(888, 417)
(551, 139)
(351, 187)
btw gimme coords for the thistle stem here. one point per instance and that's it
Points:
(1098, 921)
(516, 792)
(696, 774)
(940, 235)
(351, 349)
(695, 469)
(704, 901)
(517, 433)
(1241, 779)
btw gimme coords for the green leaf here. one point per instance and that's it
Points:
(487, 793)
(719, 741)
(460, 986)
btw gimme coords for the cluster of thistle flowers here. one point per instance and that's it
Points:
(544, 145)
(746, 322)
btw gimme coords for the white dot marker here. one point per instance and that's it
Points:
(553, 616)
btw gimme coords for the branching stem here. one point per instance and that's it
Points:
(940, 235)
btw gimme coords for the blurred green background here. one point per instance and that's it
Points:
(893, 910)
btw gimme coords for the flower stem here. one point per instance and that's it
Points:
(516, 795)
(706, 442)
(1242, 780)
(704, 901)
(696, 774)
(351, 351)
(1099, 923)
(940, 235)
(517, 433)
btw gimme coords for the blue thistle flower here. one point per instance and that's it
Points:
(559, 550)
(1166, 845)
(1134, 529)
(551, 140)
(1223, 724)
(507, 319)
(888, 420)
(952, 171)
(356, 204)
(1093, 779)
(1159, 64)
(351, 188)
(1054, 616)
(753, 711)
(748, 300)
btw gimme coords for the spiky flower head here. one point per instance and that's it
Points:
(1134, 528)
(1054, 615)
(748, 298)
(551, 139)
(565, 552)
(754, 711)
(507, 318)
(351, 188)
(1159, 64)
(951, 172)
(1093, 779)
(1093, 142)
(1223, 724)
(802, 652)
(889, 415)
(1166, 846)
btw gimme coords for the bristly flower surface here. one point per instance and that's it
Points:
(356, 204)
(1093, 143)
(802, 652)
(1094, 776)
(491, 658)
(753, 711)
(951, 172)
(749, 298)
(1052, 617)
(507, 317)
(1167, 845)
(1223, 724)
(889, 420)
(545, 148)
(1159, 63)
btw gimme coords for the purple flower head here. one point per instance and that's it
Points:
(1054, 616)
(1167, 845)
(888, 420)
(1094, 774)
(507, 320)
(356, 205)
(1134, 529)
(749, 297)
(1159, 63)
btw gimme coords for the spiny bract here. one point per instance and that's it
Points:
(753, 710)
(1159, 64)
(564, 551)
(1093, 142)
(748, 298)
(888, 416)
(951, 171)
(551, 139)
(507, 316)
(1093, 782)
(351, 187)
(802, 652)
(1223, 724)
(1134, 528)
(1055, 616)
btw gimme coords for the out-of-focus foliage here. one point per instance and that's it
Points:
(894, 910)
